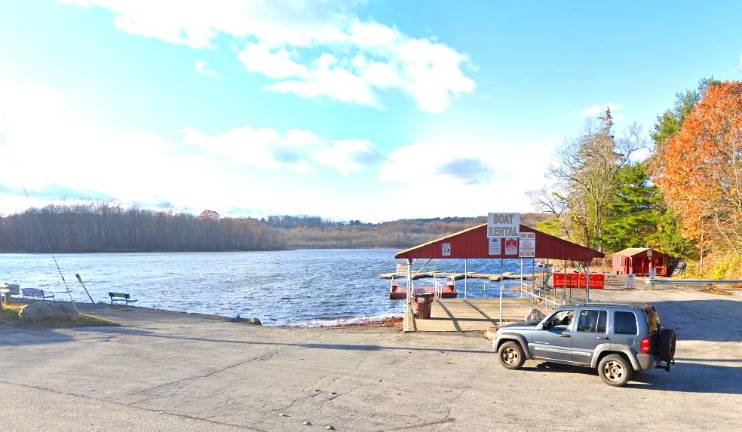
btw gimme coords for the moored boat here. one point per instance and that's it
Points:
(439, 290)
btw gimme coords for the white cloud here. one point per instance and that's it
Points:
(372, 57)
(47, 146)
(347, 156)
(311, 48)
(275, 63)
(296, 149)
(453, 173)
(204, 69)
(597, 110)
(327, 79)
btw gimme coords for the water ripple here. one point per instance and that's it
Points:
(303, 287)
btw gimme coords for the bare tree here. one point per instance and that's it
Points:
(583, 178)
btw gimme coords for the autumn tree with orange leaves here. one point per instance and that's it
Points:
(700, 173)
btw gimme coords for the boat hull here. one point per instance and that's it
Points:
(399, 293)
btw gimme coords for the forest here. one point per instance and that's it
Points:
(104, 227)
(684, 198)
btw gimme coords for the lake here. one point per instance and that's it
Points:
(300, 287)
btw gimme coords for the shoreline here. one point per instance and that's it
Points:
(363, 321)
(388, 322)
(201, 251)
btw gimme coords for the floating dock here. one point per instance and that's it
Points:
(472, 314)
(494, 277)
(400, 293)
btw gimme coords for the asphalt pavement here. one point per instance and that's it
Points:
(161, 371)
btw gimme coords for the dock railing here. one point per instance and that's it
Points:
(529, 292)
(438, 288)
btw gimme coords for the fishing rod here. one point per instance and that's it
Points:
(77, 275)
(46, 241)
(49, 247)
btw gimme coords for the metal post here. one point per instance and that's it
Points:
(521, 278)
(502, 285)
(564, 286)
(587, 283)
(409, 282)
(570, 292)
(408, 318)
(465, 275)
(545, 291)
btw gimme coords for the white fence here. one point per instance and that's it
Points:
(534, 294)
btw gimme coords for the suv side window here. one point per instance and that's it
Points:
(561, 319)
(592, 321)
(624, 323)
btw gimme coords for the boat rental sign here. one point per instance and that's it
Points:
(503, 225)
(503, 228)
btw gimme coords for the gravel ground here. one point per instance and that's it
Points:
(162, 371)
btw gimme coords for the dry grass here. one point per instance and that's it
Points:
(10, 313)
(386, 322)
(721, 290)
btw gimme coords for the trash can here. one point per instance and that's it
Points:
(423, 304)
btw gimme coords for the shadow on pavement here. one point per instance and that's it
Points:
(685, 377)
(306, 345)
(17, 335)
(703, 320)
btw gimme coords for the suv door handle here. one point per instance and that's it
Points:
(565, 335)
(602, 338)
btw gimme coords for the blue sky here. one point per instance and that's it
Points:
(370, 110)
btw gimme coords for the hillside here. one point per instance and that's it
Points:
(111, 228)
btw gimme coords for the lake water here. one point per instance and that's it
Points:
(301, 287)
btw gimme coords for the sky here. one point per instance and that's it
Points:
(372, 110)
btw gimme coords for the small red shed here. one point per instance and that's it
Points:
(639, 260)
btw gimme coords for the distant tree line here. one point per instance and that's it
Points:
(400, 233)
(111, 228)
(104, 227)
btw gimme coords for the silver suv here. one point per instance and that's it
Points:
(617, 339)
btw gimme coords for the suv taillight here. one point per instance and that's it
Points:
(645, 345)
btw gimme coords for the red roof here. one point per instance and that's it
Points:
(208, 215)
(629, 252)
(473, 243)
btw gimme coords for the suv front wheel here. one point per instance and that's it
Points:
(615, 370)
(511, 355)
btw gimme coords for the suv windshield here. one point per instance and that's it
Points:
(560, 319)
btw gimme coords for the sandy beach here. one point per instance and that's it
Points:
(162, 370)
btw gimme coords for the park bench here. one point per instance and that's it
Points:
(124, 298)
(36, 293)
(7, 290)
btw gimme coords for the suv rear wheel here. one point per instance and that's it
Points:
(615, 370)
(511, 355)
(666, 344)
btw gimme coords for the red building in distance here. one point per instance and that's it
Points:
(639, 261)
(208, 215)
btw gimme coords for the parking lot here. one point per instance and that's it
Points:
(170, 371)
